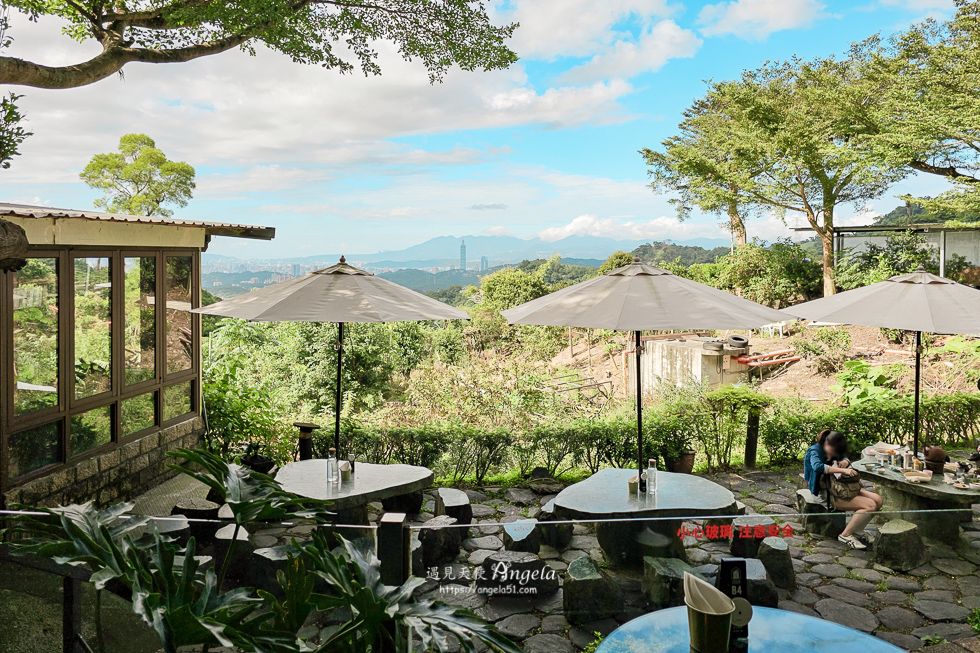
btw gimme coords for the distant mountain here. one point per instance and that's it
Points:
(443, 251)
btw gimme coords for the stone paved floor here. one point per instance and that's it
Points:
(929, 604)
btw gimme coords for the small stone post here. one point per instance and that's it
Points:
(306, 439)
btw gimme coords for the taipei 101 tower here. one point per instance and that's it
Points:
(462, 255)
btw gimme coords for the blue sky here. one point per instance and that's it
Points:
(346, 163)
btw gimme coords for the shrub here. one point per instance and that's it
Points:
(788, 428)
(828, 347)
(859, 382)
(721, 421)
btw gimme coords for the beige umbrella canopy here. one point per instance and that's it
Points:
(911, 302)
(639, 298)
(341, 294)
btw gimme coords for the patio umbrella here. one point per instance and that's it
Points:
(639, 298)
(341, 294)
(911, 302)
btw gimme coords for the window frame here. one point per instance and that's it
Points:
(67, 405)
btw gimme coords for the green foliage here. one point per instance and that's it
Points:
(341, 35)
(12, 132)
(723, 416)
(974, 620)
(557, 274)
(829, 347)
(186, 607)
(659, 252)
(615, 261)
(777, 276)
(453, 295)
(788, 428)
(594, 646)
(139, 179)
(859, 382)
(355, 583)
(902, 253)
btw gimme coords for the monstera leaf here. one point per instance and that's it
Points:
(80, 534)
(353, 574)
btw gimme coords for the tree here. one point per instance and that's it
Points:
(793, 147)
(12, 134)
(924, 110)
(616, 260)
(697, 166)
(439, 33)
(139, 179)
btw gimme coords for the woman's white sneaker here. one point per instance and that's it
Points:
(851, 541)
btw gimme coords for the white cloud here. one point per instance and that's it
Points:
(498, 230)
(920, 5)
(660, 228)
(666, 40)
(757, 19)
(241, 111)
(573, 28)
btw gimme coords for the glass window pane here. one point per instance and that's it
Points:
(140, 329)
(177, 400)
(90, 429)
(93, 326)
(36, 336)
(33, 449)
(139, 413)
(180, 353)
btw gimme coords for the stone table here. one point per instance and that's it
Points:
(900, 496)
(308, 478)
(605, 495)
(770, 630)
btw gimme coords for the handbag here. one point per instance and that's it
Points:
(844, 488)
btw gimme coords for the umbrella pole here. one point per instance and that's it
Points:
(340, 395)
(639, 417)
(918, 373)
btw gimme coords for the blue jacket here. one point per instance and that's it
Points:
(813, 464)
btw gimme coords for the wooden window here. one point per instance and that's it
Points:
(89, 356)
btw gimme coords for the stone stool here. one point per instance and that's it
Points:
(745, 543)
(775, 557)
(818, 519)
(455, 504)
(522, 535)
(195, 508)
(555, 535)
(440, 543)
(663, 581)
(899, 545)
(588, 594)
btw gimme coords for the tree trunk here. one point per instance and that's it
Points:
(738, 225)
(827, 238)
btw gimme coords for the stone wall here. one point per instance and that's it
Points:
(117, 475)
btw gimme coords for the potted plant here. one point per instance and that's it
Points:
(674, 444)
(256, 461)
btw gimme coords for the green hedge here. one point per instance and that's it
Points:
(713, 424)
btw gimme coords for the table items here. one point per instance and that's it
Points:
(333, 471)
(345, 471)
(652, 477)
(709, 615)
(633, 483)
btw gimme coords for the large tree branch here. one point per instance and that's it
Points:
(26, 73)
(943, 171)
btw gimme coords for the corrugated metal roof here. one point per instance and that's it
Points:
(213, 228)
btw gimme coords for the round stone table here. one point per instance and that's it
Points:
(308, 478)
(770, 631)
(605, 495)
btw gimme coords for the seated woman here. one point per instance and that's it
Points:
(829, 456)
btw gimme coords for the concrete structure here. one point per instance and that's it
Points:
(684, 360)
(100, 371)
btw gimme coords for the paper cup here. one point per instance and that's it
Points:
(709, 632)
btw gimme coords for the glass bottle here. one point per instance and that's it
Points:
(652, 476)
(333, 470)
